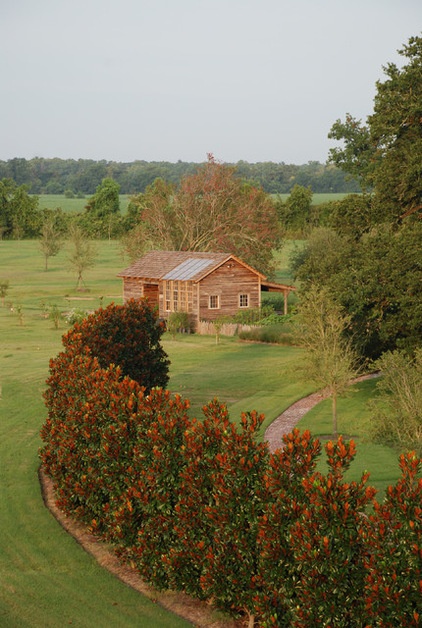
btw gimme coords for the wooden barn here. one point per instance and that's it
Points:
(205, 285)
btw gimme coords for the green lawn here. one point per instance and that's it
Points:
(76, 205)
(47, 579)
(353, 422)
(73, 205)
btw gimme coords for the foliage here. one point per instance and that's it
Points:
(105, 200)
(294, 214)
(4, 288)
(75, 315)
(201, 506)
(252, 316)
(82, 176)
(136, 242)
(329, 361)
(352, 216)
(178, 322)
(50, 241)
(211, 210)
(82, 255)
(386, 153)
(356, 156)
(319, 258)
(18, 211)
(376, 279)
(393, 584)
(55, 315)
(102, 211)
(378, 285)
(274, 334)
(127, 336)
(398, 407)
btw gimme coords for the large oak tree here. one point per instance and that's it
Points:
(386, 152)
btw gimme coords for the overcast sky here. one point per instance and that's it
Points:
(163, 80)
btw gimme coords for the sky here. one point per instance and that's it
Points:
(169, 80)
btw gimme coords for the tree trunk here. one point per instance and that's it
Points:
(334, 407)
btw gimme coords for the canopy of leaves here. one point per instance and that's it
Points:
(377, 279)
(212, 210)
(386, 153)
(127, 336)
(18, 211)
(105, 200)
(294, 214)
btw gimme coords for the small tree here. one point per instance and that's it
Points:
(4, 287)
(50, 241)
(329, 360)
(82, 255)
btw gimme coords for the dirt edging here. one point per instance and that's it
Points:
(199, 613)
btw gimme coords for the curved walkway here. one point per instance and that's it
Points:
(287, 420)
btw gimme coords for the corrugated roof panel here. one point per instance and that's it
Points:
(188, 269)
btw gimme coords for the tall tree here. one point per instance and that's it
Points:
(212, 210)
(387, 152)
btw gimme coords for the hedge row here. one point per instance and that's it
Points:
(201, 506)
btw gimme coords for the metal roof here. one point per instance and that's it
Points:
(188, 269)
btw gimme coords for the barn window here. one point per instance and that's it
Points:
(214, 302)
(243, 300)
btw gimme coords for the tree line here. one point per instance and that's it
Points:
(82, 176)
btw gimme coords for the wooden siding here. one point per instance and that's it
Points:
(228, 282)
(132, 288)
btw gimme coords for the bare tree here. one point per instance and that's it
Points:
(82, 256)
(50, 241)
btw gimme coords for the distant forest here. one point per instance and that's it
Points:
(82, 176)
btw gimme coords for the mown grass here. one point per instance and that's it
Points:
(77, 205)
(47, 579)
(354, 420)
(73, 205)
(318, 197)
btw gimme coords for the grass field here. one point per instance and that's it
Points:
(47, 579)
(72, 205)
(75, 205)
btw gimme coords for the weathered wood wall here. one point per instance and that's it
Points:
(228, 282)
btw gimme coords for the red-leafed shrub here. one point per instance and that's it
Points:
(393, 591)
(127, 336)
(201, 506)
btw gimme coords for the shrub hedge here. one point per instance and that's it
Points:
(198, 505)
